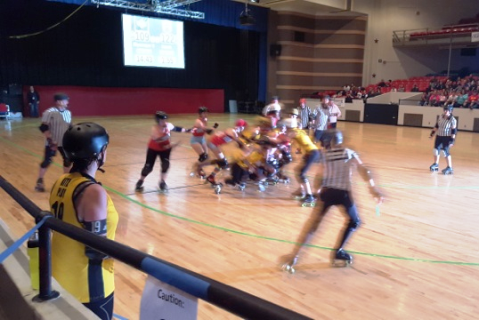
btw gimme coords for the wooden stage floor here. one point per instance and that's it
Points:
(415, 258)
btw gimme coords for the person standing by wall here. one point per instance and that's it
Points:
(33, 99)
(333, 110)
(55, 121)
(78, 199)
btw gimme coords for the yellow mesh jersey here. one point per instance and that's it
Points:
(255, 158)
(304, 141)
(86, 280)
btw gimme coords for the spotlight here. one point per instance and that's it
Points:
(254, 1)
(245, 18)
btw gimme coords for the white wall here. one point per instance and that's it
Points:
(384, 16)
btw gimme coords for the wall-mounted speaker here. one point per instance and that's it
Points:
(275, 50)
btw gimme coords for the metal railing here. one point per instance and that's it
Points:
(226, 297)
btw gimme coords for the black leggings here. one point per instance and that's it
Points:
(151, 158)
(102, 308)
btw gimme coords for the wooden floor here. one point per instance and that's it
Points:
(415, 258)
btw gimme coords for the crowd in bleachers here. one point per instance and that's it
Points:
(436, 90)
(463, 27)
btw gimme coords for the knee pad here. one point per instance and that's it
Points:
(165, 165)
(222, 163)
(45, 163)
(436, 152)
(146, 170)
(203, 157)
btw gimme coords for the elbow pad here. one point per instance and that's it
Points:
(177, 129)
(44, 127)
(215, 125)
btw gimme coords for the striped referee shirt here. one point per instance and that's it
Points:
(321, 117)
(445, 125)
(58, 123)
(337, 167)
(304, 114)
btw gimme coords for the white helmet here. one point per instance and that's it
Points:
(275, 107)
(289, 123)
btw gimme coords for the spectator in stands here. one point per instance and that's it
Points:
(424, 99)
(415, 88)
(442, 97)
(434, 99)
(472, 101)
(381, 83)
(461, 99)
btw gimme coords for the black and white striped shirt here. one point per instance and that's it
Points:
(321, 117)
(445, 125)
(304, 114)
(338, 163)
(58, 123)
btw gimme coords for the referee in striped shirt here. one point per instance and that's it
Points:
(55, 122)
(445, 130)
(337, 162)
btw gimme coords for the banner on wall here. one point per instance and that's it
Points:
(160, 301)
(475, 37)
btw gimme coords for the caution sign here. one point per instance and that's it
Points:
(161, 301)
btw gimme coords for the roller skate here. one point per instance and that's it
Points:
(163, 187)
(262, 185)
(434, 167)
(289, 265)
(308, 201)
(341, 258)
(197, 171)
(40, 186)
(139, 186)
(299, 195)
(272, 181)
(215, 185)
(283, 179)
(241, 186)
(447, 170)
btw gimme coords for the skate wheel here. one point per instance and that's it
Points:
(341, 263)
(192, 174)
(288, 268)
(309, 204)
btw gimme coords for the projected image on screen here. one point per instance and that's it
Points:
(153, 42)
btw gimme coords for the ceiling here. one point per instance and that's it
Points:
(315, 7)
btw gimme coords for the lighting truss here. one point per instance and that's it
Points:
(165, 7)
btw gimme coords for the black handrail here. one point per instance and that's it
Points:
(226, 297)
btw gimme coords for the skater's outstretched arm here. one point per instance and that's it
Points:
(366, 175)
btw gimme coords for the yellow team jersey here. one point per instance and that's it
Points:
(304, 141)
(86, 280)
(255, 158)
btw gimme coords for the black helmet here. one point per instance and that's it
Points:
(331, 137)
(448, 108)
(160, 115)
(202, 109)
(84, 141)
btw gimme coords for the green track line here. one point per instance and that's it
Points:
(251, 235)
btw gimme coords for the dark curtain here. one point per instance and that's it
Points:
(86, 50)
